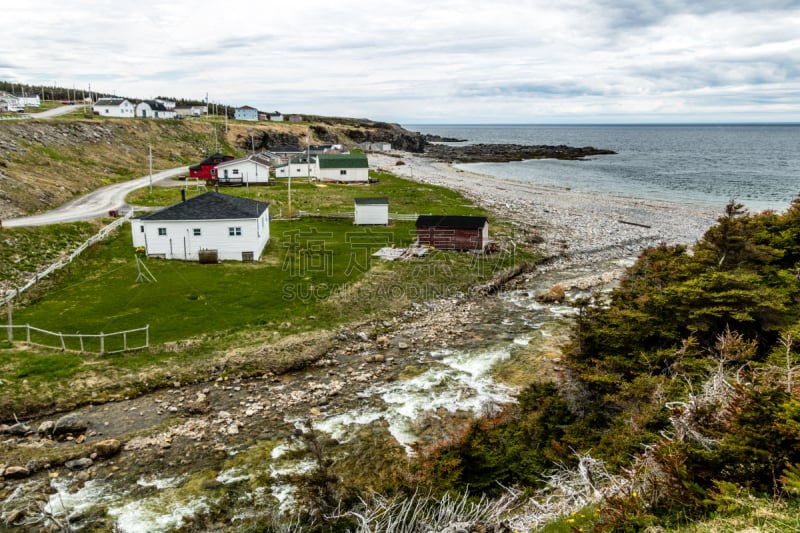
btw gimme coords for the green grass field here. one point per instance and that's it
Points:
(315, 275)
(404, 196)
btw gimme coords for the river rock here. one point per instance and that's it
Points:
(19, 429)
(79, 464)
(554, 294)
(16, 472)
(72, 423)
(108, 447)
(46, 427)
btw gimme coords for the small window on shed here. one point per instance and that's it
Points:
(235, 231)
(141, 229)
(162, 231)
(196, 232)
(343, 172)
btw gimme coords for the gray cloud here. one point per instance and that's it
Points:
(444, 60)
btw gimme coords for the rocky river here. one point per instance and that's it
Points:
(215, 453)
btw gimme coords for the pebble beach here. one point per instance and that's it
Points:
(575, 227)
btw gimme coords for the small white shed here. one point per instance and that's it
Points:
(373, 211)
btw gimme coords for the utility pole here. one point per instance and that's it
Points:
(10, 323)
(308, 153)
(151, 167)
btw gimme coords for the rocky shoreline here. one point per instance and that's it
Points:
(574, 227)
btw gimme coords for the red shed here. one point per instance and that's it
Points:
(446, 232)
(205, 170)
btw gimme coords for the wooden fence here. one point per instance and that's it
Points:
(119, 341)
(349, 214)
(99, 236)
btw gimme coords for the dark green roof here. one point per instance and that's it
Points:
(343, 161)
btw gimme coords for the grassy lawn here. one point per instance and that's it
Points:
(315, 275)
(404, 196)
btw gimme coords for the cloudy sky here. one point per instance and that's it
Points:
(434, 61)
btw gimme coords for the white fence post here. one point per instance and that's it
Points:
(102, 343)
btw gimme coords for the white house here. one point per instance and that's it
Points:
(190, 111)
(349, 168)
(253, 170)
(29, 100)
(298, 167)
(114, 107)
(169, 104)
(372, 211)
(236, 229)
(153, 109)
(246, 113)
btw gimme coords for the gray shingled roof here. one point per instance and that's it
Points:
(110, 101)
(211, 206)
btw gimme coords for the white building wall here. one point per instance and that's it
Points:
(180, 242)
(124, 110)
(350, 174)
(372, 214)
(143, 110)
(297, 170)
(249, 171)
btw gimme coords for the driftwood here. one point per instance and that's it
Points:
(634, 224)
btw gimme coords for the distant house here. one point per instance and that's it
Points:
(190, 111)
(295, 118)
(246, 113)
(153, 109)
(371, 211)
(252, 170)
(346, 168)
(203, 170)
(114, 107)
(375, 146)
(299, 166)
(276, 116)
(453, 232)
(29, 100)
(228, 227)
(169, 104)
(9, 102)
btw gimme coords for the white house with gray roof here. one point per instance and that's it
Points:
(250, 170)
(114, 107)
(230, 227)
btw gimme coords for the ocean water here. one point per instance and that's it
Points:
(706, 165)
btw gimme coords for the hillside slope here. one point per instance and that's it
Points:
(44, 163)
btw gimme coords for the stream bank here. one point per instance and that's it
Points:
(379, 395)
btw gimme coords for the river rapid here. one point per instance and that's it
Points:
(211, 455)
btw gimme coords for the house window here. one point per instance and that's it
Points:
(235, 170)
(141, 229)
(342, 172)
(196, 232)
(235, 231)
(162, 231)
